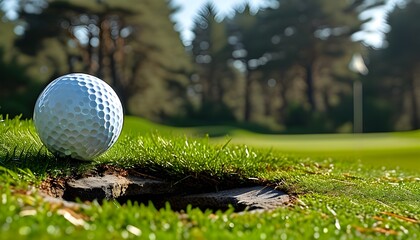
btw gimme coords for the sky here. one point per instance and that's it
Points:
(372, 36)
(189, 9)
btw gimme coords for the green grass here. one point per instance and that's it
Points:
(343, 184)
(395, 150)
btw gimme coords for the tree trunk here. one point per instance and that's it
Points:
(116, 79)
(206, 76)
(310, 85)
(89, 55)
(414, 105)
(267, 100)
(283, 96)
(219, 91)
(212, 95)
(247, 105)
(106, 47)
(70, 64)
(268, 94)
(101, 50)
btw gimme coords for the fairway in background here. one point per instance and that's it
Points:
(398, 149)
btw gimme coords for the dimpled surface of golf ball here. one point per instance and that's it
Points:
(79, 116)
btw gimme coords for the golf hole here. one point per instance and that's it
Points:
(124, 186)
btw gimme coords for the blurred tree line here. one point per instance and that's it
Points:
(282, 69)
(129, 44)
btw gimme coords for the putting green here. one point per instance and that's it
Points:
(388, 149)
(397, 149)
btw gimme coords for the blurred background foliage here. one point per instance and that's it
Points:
(282, 69)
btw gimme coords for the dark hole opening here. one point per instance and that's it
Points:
(123, 186)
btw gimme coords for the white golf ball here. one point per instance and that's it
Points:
(78, 115)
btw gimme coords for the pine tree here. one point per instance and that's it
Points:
(210, 51)
(313, 34)
(131, 45)
(246, 49)
(396, 67)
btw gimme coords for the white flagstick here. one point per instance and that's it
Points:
(358, 65)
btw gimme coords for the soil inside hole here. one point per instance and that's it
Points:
(137, 186)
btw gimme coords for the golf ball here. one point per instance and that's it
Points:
(79, 116)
